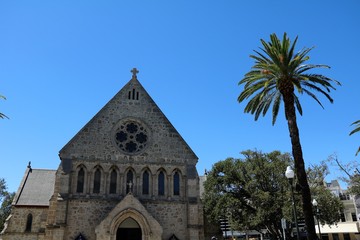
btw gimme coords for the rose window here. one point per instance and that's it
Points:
(131, 137)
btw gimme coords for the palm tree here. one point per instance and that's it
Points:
(279, 76)
(1, 114)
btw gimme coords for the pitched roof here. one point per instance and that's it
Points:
(36, 188)
(93, 141)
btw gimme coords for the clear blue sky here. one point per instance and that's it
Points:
(62, 61)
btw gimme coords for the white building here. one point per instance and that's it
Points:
(348, 227)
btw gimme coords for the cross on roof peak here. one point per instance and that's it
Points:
(134, 72)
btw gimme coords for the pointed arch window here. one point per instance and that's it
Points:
(97, 181)
(176, 184)
(145, 183)
(129, 181)
(161, 184)
(29, 222)
(113, 180)
(80, 181)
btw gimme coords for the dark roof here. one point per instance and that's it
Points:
(36, 188)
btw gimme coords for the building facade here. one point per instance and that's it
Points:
(127, 174)
(348, 227)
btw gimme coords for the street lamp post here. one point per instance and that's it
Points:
(317, 214)
(290, 176)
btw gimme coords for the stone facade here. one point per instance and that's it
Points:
(17, 229)
(126, 173)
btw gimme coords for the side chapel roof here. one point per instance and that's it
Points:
(36, 188)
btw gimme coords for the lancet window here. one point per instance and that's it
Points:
(80, 181)
(97, 181)
(145, 183)
(161, 183)
(113, 181)
(176, 181)
(29, 221)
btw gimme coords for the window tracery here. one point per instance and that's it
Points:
(131, 136)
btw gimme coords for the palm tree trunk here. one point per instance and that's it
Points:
(300, 166)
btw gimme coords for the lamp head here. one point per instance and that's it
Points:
(314, 203)
(289, 173)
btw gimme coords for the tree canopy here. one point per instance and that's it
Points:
(253, 193)
(6, 199)
(329, 204)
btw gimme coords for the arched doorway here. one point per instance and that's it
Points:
(129, 229)
(126, 218)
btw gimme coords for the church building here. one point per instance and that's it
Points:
(127, 174)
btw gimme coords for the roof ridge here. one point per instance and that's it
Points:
(43, 169)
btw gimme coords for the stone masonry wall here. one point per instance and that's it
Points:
(85, 215)
(171, 216)
(96, 139)
(17, 223)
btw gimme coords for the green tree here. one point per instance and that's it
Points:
(5, 208)
(2, 188)
(6, 199)
(1, 114)
(279, 76)
(354, 186)
(253, 193)
(250, 192)
(330, 205)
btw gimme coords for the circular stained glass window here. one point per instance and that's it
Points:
(131, 136)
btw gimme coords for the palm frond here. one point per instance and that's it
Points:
(250, 90)
(276, 107)
(313, 96)
(262, 57)
(2, 116)
(357, 127)
(314, 87)
(291, 51)
(297, 84)
(322, 80)
(297, 104)
(298, 59)
(306, 67)
(276, 66)
(271, 52)
(357, 152)
(266, 103)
